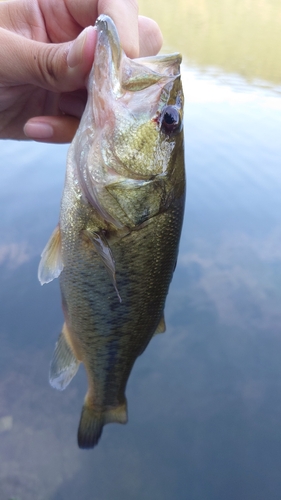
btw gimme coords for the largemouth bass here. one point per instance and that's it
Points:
(116, 244)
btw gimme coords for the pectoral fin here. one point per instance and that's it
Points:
(51, 264)
(64, 364)
(103, 250)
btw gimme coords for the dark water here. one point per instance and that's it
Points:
(205, 398)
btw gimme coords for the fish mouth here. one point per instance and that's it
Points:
(125, 74)
(108, 39)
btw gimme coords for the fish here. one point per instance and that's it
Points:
(116, 245)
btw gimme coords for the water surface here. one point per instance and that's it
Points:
(204, 399)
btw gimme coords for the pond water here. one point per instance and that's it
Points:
(205, 398)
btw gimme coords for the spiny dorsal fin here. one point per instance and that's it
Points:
(161, 328)
(51, 264)
(103, 250)
(64, 364)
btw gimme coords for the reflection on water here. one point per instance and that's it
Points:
(238, 36)
(205, 398)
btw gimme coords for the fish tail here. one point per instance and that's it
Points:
(90, 427)
(92, 422)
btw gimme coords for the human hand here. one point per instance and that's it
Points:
(43, 71)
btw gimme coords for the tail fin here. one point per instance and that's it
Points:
(92, 422)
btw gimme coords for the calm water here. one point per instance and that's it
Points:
(205, 398)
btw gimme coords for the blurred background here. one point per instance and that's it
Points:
(205, 398)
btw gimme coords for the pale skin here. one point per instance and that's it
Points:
(44, 63)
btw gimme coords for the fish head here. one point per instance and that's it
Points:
(132, 124)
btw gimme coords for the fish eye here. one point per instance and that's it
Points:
(170, 120)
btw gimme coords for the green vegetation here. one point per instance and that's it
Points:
(239, 36)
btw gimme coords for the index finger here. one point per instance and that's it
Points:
(123, 12)
(125, 16)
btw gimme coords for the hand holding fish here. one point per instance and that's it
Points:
(46, 52)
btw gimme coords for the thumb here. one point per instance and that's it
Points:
(60, 67)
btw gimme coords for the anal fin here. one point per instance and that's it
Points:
(161, 328)
(64, 364)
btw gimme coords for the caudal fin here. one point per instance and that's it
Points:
(92, 422)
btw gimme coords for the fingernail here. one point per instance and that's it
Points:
(38, 130)
(75, 52)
